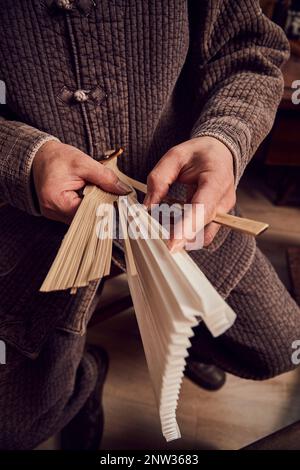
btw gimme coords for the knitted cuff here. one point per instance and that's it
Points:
(19, 144)
(232, 133)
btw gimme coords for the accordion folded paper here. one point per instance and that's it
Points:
(170, 293)
(170, 296)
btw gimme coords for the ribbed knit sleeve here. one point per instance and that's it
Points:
(18, 146)
(240, 84)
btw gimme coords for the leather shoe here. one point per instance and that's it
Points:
(206, 376)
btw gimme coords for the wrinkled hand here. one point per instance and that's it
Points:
(206, 164)
(59, 170)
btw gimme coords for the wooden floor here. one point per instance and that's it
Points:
(235, 416)
(240, 413)
(284, 222)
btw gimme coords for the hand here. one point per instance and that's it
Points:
(206, 164)
(59, 170)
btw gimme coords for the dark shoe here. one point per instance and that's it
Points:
(205, 375)
(85, 430)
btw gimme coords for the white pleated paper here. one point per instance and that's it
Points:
(170, 296)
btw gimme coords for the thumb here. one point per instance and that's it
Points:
(201, 213)
(161, 177)
(96, 173)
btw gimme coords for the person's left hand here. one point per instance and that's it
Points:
(206, 164)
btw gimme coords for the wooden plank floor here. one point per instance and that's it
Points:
(238, 414)
(284, 221)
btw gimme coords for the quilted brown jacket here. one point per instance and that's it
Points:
(155, 73)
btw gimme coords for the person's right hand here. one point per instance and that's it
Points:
(59, 170)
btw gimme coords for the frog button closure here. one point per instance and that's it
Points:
(81, 96)
(65, 4)
(95, 96)
(84, 6)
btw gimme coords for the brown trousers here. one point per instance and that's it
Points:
(38, 397)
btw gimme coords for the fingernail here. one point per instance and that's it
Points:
(123, 187)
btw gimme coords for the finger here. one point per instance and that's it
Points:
(190, 191)
(207, 194)
(70, 203)
(210, 232)
(63, 209)
(189, 230)
(96, 173)
(162, 176)
(201, 212)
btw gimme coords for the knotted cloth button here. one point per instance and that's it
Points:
(65, 4)
(84, 6)
(94, 95)
(81, 96)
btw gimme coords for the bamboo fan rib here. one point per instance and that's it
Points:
(85, 253)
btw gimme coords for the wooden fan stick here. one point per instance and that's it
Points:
(241, 224)
(111, 154)
(251, 227)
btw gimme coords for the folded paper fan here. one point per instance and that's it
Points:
(85, 253)
(170, 294)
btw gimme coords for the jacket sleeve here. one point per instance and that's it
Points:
(18, 146)
(239, 82)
